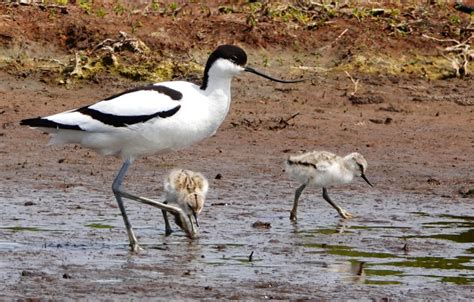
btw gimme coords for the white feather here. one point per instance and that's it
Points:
(142, 102)
(199, 117)
(319, 168)
(85, 122)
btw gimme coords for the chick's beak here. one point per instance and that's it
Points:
(187, 224)
(194, 223)
(366, 180)
(195, 218)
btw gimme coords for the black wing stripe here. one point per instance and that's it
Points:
(173, 94)
(124, 120)
(40, 122)
(300, 163)
(110, 119)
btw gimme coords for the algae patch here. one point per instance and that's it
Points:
(99, 226)
(429, 67)
(141, 69)
(82, 66)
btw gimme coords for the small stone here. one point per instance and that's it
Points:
(261, 225)
(66, 276)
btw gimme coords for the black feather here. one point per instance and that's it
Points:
(41, 122)
(124, 120)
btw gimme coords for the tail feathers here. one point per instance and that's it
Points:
(45, 123)
(33, 122)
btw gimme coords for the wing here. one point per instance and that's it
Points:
(319, 160)
(323, 160)
(134, 106)
(323, 166)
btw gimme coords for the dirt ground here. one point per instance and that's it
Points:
(61, 233)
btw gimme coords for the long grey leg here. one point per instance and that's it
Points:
(343, 213)
(295, 202)
(168, 229)
(117, 189)
(187, 225)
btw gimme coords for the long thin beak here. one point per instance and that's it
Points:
(186, 223)
(196, 218)
(365, 178)
(250, 69)
(194, 223)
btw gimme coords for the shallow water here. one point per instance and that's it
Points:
(401, 240)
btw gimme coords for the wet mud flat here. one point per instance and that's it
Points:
(62, 236)
(397, 246)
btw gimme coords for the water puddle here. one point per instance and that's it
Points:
(455, 228)
(403, 266)
(7, 245)
(22, 229)
(405, 248)
(35, 229)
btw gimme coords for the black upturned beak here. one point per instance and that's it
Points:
(366, 180)
(250, 69)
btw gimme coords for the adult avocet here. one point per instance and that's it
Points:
(156, 118)
(323, 169)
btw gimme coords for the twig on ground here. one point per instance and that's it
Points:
(355, 82)
(338, 37)
(439, 40)
(121, 43)
(291, 117)
(312, 68)
(461, 54)
(77, 71)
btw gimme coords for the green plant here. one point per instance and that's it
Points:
(360, 13)
(226, 10)
(442, 4)
(454, 20)
(394, 12)
(292, 13)
(331, 10)
(119, 9)
(172, 9)
(155, 6)
(101, 12)
(52, 14)
(254, 6)
(251, 20)
(136, 25)
(252, 15)
(86, 5)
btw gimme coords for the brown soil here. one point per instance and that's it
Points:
(416, 131)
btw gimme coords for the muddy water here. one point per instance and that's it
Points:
(394, 246)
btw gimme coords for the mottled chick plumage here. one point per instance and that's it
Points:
(188, 188)
(324, 169)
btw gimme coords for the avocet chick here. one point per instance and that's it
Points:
(323, 169)
(186, 189)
